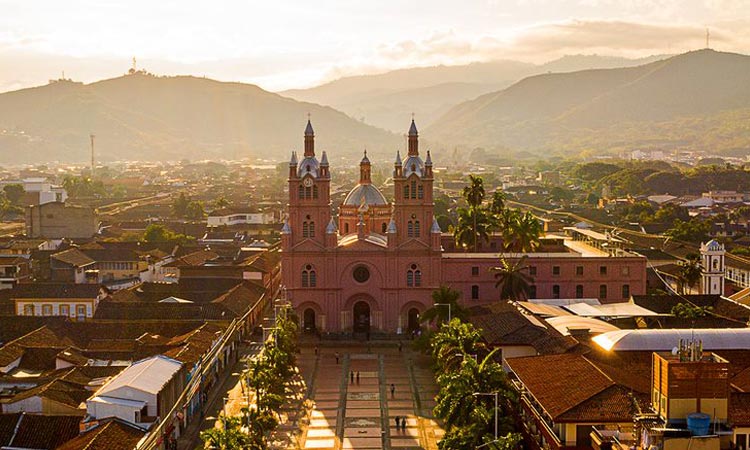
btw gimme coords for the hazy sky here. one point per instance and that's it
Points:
(283, 44)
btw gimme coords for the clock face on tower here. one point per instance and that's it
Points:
(307, 182)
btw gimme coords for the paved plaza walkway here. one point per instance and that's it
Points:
(360, 413)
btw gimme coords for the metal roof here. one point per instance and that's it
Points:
(665, 340)
(367, 192)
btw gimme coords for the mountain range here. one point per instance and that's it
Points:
(386, 99)
(698, 100)
(145, 117)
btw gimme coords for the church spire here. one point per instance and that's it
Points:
(413, 139)
(309, 139)
(364, 170)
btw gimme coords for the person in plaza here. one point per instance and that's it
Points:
(393, 390)
(351, 376)
(358, 377)
(337, 357)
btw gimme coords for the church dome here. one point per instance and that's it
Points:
(365, 193)
(413, 164)
(308, 165)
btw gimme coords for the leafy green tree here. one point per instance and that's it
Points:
(194, 210)
(690, 311)
(472, 225)
(694, 230)
(159, 233)
(474, 196)
(454, 340)
(521, 231)
(221, 202)
(229, 437)
(14, 193)
(513, 279)
(180, 205)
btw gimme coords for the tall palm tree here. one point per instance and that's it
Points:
(691, 271)
(521, 231)
(455, 338)
(474, 196)
(513, 279)
(442, 297)
(221, 202)
(473, 224)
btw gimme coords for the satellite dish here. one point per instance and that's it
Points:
(675, 351)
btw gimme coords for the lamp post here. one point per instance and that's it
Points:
(449, 309)
(491, 394)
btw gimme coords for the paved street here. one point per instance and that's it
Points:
(361, 414)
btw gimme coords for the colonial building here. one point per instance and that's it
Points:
(375, 266)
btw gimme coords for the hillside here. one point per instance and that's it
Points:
(698, 100)
(384, 100)
(145, 117)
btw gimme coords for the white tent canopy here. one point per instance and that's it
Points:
(564, 324)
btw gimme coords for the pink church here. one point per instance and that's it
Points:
(375, 268)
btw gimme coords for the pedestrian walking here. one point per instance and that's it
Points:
(352, 377)
(358, 377)
(403, 423)
(337, 357)
(316, 350)
(399, 346)
(398, 422)
(393, 390)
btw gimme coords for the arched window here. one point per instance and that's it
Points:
(346, 228)
(309, 278)
(420, 191)
(301, 192)
(308, 229)
(410, 229)
(416, 228)
(413, 189)
(406, 191)
(308, 193)
(414, 276)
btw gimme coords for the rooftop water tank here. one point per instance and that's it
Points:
(698, 423)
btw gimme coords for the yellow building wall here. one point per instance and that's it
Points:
(680, 408)
(710, 443)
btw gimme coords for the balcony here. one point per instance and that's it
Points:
(612, 438)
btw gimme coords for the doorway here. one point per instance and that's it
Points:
(308, 320)
(361, 317)
(412, 321)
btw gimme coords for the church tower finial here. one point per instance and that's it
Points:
(309, 139)
(364, 170)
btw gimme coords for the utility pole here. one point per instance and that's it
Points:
(708, 37)
(93, 163)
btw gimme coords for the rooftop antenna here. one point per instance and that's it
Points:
(134, 65)
(63, 75)
(93, 164)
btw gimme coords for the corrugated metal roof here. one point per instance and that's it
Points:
(625, 309)
(665, 340)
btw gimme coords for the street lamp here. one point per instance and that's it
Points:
(495, 395)
(449, 309)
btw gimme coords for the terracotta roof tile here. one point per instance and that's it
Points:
(110, 434)
(44, 432)
(560, 382)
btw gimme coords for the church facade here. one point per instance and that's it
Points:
(373, 268)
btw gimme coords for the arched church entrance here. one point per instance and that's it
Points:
(361, 316)
(308, 320)
(412, 320)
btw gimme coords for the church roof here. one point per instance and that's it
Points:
(713, 246)
(324, 159)
(413, 164)
(308, 165)
(413, 128)
(331, 228)
(365, 193)
(309, 129)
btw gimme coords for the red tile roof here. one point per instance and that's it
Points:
(110, 434)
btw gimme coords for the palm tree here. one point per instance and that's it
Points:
(497, 205)
(521, 231)
(454, 340)
(229, 437)
(442, 297)
(691, 272)
(473, 224)
(221, 202)
(513, 279)
(474, 196)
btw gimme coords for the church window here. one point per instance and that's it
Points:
(626, 291)
(475, 292)
(602, 292)
(301, 192)
(413, 189)
(420, 192)
(346, 228)
(406, 191)
(416, 228)
(410, 229)
(414, 276)
(361, 274)
(309, 278)
(308, 229)
(383, 227)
